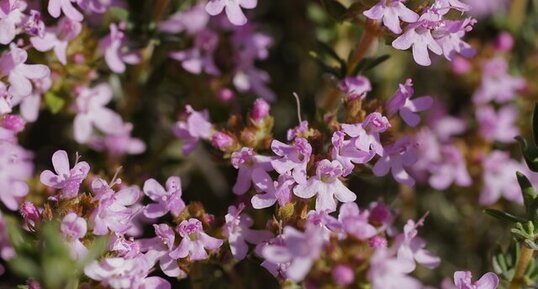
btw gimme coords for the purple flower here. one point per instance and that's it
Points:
(450, 34)
(119, 143)
(247, 162)
(168, 200)
(237, 230)
(10, 16)
(30, 104)
(391, 12)
(222, 141)
(128, 248)
(192, 21)
(365, 135)
(274, 191)
(497, 84)
(355, 222)
(57, 39)
(326, 185)
(410, 248)
(31, 215)
(66, 179)
(122, 273)
(298, 131)
(114, 48)
(74, 228)
(387, 272)
(462, 280)
(260, 110)
(113, 212)
(195, 127)
(195, 241)
(292, 158)
(483, 9)
(199, 58)
(397, 156)
(232, 8)
(346, 152)
(15, 168)
(498, 126)
(33, 24)
(57, 6)
(327, 223)
(401, 102)
(159, 249)
(355, 87)
(299, 250)
(419, 36)
(499, 179)
(451, 168)
(19, 74)
(91, 111)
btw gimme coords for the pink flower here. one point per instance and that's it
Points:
(401, 102)
(497, 84)
(74, 228)
(192, 21)
(122, 273)
(355, 222)
(31, 215)
(451, 168)
(297, 131)
(462, 280)
(343, 275)
(113, 212)
(194, 128)
(19, 74)
(498, 125)
(326, 185)
(232, 8)
(15, 168)
(57, 39)
(410, 248)
(260, 110)
(199, 58)
(391, 11)
(274, 191)
(355, 87)
(419, 36)
(365, 135)
(168, 200)
(66, 179)
(114, 48)
(119, 143)
(57, 6)
(298, 250)
(387, 272)
(92, 112)
(395, 158)
(237, 230)
(10, 16)
(195, 241)
(499, 179)
(248, 162)
(346, 152)
(450, 34)
(33, 24)
(327, 223)
(292, 158)
(159, 248)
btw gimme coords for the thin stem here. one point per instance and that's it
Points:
(298, 107)
(368, 38)
(523, 262)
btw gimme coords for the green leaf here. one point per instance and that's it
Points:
(119, 14)
(503, 216)
(369, 63)
(335, 9)
(332, 54)
(24, 267)
(336, 71)
(529, 197)
(535, 123)
(530, 153)
(54, 102)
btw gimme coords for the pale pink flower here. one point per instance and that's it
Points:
(66, 179)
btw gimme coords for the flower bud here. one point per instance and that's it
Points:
(460, 65)
(222, 141)
(377, 242)
(504, 42)
(380, 213)
(343, 275)
(13, 123)
(225, 95)
(260, 110)
(30, 213)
